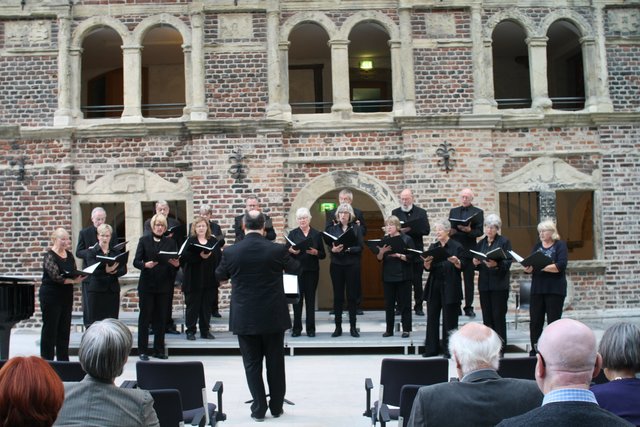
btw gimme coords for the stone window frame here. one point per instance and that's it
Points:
(595, 75)
(401, 58)
(70, 67)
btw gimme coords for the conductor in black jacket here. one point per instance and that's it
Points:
(467, 234)
(259, 314)
(408, 212)
(252, 204)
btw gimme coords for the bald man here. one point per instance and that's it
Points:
(481, 397)
(567, 361)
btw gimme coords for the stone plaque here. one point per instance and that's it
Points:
(440, 24)
(27, 33)
(624, 21)
(235, 26)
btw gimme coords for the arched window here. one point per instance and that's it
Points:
(565, 72)
(101, 76)
(163, 82)
(370, 68)
(310, 89)
(511, 83)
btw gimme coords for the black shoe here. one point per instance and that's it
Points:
(387, 334)
(337, 332)
(216, 314)
(469, 312)
(405, 334)
(278, 414)
(359, 312)
(419, 312)
(191, 336)
(446, 355)
(311, 334)
(257, 419)
(160, 356)
(207, 335)
(532, 353)
(354, 332)
(332, 312)
(295, 334)
(429, 354)
(173, 331)
(143, 356)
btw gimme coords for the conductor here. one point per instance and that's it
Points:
(259, 314)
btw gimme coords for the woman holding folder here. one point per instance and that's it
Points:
(443, 290)
(397, 271)
(494, 276)
(549, 284)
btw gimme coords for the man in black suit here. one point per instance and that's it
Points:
(418, 227)
(259, 313)
(252, 204)
(567, 362)
(481, 397)
(467, 234)
(88, 238)
(206, 212)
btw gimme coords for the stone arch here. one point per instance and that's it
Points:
(312, 17)
(575, 18)
(509, 15)
(99, 21)
(357, 18)
(162, 19)
(380, 192)
(547, 174)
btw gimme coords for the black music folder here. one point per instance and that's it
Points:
(417, 225)
(537, 260)
(84, 272)
(397, 244)
(120, 246)
(197, 247)
(439, 253)
(348, 238)
(303, 245)
(466, 221)
(496, 254)
(110, 260)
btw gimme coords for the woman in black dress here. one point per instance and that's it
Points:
(103, 293)
(309, 271)
(155, 286)
(443, 289)
(56, 296)
(345, 267)
(494, 277)
(198, 284)
(397, 270)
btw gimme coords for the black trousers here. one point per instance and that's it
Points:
(541, 304)
(153, 310)
(270, 347)
(345, 277)
(86, 316)
(416, 280)
(56, 329)
(450, 313)
(468, 275)
(198, 310)
(494, 312)
(102, 305)
(400, 292)
(214, 297)
(307, 283)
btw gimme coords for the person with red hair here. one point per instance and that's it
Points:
(31, 393)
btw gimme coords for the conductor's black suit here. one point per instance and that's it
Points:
(259, 314)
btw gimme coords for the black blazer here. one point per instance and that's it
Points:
(258, 303)
(445, 274)
(498, 278)
(350, 255)
(159, 279)
(270, 233)
(415, 233)
(467, 240)
(88, 237)
(100, 281)
(308, 262)
(331, 219)
(543, 282)
(199, 273)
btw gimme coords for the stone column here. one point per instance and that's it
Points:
(599, 80)
(404, 74)
(75, 82)
(538, 73)
(283, 53)
(397, 87)
(132, 77)
(483, 95)
(188, 88)
(340, 78)
(62, 116)
(274, 66)
(195, 80)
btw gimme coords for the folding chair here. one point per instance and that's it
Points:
(188, 378)
(407, 396)
(168, 406)
(518, 367)
(394, 373)
(68, 371)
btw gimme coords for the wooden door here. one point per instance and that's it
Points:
(371, 270)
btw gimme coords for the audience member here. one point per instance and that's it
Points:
(567, 361)
(31, 393)
(620, 350)
(481, 397)
(96, 401)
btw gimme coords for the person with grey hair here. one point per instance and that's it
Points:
(481, 397)
(345, 267)
(620, 350)
(252, 204)
(96, 400)
(567, 361)
(308, 255)
(494, 278)
(443, 290)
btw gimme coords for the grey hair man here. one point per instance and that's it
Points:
(567, 361)
(475, 349)
(96, 400)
